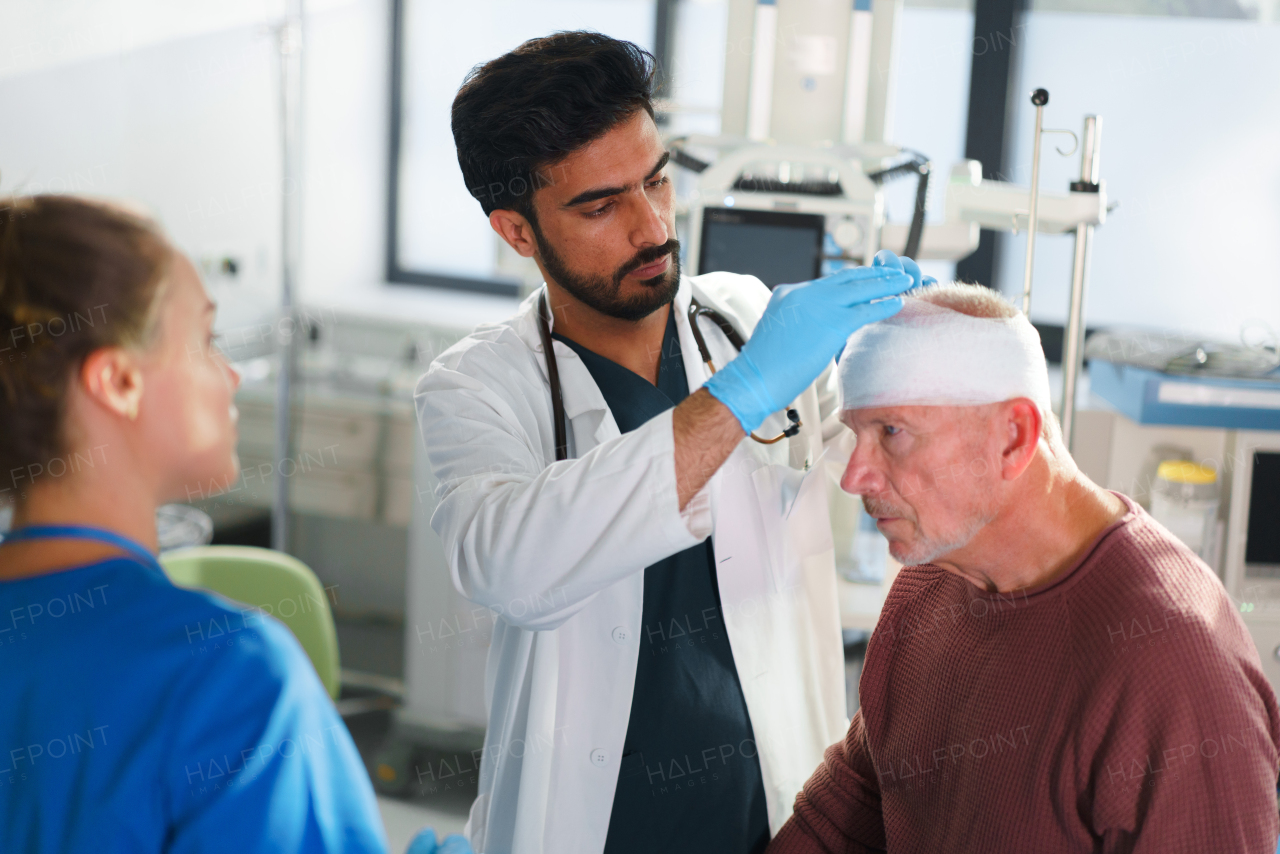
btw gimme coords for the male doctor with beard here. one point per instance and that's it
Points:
(668, 666)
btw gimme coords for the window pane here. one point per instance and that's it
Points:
(1191, 127)
(930, 107)
(697, 73)
(441, 228)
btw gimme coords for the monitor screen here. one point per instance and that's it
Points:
(777, 247)
(1262, 543)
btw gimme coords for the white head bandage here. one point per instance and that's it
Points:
(927, 355)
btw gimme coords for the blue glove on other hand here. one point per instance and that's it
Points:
(802, 328)
(425, 843)
(885, 258)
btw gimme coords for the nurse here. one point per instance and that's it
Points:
(123, 727)
(667, 667)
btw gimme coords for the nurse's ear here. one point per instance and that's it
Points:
(112, 378)
(516, 230)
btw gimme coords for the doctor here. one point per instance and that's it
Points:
(668, 667)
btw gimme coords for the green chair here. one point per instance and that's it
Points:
(276, 583)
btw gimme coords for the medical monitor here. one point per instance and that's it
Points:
(1262, 544)
(775, 246)
(1252, 547)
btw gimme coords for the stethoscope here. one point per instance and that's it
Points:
(695, 311)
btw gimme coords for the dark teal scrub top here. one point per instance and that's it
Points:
(690, 776)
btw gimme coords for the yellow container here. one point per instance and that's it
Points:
(1184, 471)
(1184, 498)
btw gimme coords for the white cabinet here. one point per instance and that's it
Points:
(351, 458)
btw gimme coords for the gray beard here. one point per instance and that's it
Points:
(928, 549)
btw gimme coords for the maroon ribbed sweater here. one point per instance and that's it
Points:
(1119, 708)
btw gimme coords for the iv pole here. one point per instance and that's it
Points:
(1039, 98)
(289, 41)
(1073, 341)
(1073, 338)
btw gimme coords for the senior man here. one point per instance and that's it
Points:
(1053, 670)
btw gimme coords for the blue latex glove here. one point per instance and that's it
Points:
(886, 258)
(802, 328)
(425, 843)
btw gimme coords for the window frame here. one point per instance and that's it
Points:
(664, 19)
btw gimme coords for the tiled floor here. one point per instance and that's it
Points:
(404, 817)
(376, 647)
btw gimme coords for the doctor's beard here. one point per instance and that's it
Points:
(603, 294)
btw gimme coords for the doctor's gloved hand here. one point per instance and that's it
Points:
(885, 258)
(802, 328)
(425, 843)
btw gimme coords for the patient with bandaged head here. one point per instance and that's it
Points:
(1052, 670)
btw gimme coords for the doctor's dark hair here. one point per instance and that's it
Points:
(521, 113)
(75, 276)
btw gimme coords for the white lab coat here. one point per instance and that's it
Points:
(558, 548)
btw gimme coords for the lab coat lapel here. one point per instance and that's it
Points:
(579, 390)
(590, 423)
(590, 420)
(776, 578)
(695, 370)
(742, 554)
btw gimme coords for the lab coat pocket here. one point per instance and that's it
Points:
(796, 524)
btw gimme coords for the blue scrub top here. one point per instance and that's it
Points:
(138, 716)
(689, 778)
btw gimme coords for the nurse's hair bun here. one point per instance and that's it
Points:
(75, 275)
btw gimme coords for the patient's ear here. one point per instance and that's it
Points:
(1022, 423)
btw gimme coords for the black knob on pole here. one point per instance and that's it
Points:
(1040, 97)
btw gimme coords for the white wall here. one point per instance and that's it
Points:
(175, 106)
(39, 35)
